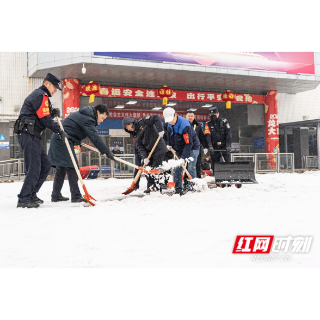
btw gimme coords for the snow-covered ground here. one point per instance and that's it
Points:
(196, 230)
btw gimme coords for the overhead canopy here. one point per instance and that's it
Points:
(120, 72)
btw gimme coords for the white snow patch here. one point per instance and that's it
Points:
(195, 230)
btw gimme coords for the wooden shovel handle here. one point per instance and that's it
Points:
(149, 156)
(118, 159)
(184, 166)
(71, 154)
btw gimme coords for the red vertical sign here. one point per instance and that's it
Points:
(71, 96)
(272, 127)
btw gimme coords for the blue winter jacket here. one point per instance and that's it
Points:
(182, 138)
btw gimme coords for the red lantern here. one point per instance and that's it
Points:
(228, 97)
(90, 89)
(164, 93)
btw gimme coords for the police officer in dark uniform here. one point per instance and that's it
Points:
(218, 135)
(35, 116)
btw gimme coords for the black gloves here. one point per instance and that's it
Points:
(211, 150)
(109, 154)
(228, 148)
(55, 113)
(62, 134)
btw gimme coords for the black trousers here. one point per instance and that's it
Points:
(154, 163)
(137, 159)
(215, 157)
(36, 164)
(59, 180)
(198, 165)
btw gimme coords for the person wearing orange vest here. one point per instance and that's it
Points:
(35, 116)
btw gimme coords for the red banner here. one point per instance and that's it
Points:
(272, 127)
(178, 95)
(71, 96)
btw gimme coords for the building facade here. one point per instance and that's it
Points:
(269, 89)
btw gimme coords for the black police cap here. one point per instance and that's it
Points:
(54, 80)
(213, 110)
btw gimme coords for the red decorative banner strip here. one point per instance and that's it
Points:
(178, 95)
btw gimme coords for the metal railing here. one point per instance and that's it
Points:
(107, 167)
(264, 163)
(267, 162)
(12, 168)
(310, 162)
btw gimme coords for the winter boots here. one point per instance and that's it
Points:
(179, 192)
(28, 204)
(79, 200)
(60, 198)
(189, 187)
(33, 203)
(150, 189)
(36, 200)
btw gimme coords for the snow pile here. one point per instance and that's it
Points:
(170, 164)
(195, 230)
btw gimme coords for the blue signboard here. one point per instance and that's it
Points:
(103, 131)
(2, 137)
(4, 145)
(259, 143)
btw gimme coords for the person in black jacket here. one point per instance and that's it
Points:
(146, 131)
(78, 125)
(218, 135)
(35, 116)
(133, 124)
(206, 164)
(116, 150)
(197, 128)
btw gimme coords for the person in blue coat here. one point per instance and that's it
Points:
(184, 140)
(79, 125)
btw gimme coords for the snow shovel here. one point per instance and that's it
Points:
(238, 173)
(131, 188)
(183, 166)
(117, 159)
(209, 183)
(86, 195)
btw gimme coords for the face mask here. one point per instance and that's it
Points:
(214, 117)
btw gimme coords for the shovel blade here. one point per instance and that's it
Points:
(143, 170)
(130, 189)
(155, 171)
(87, 196)
(234, 171)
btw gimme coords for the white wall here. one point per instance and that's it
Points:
(300, 106)
(15, 85)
